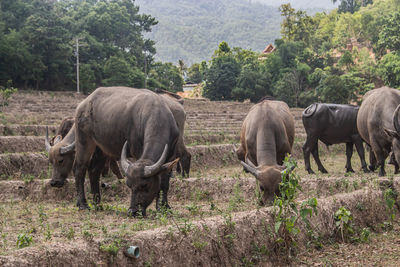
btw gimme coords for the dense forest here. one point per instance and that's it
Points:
(38, 45)
(331, 56)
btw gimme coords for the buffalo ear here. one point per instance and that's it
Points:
(167, 167)
(391, 133)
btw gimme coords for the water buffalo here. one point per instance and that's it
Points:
(332, 124)
(378, 125)
(175, 104)
(115, 117)
(266, 137)
(64, 128)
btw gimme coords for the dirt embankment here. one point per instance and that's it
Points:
(18, 144)
(36, 164)
(214, 241)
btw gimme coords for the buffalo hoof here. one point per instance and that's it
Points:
(310, 171)
(82, 206)
(382, 173)
(350, 170)
(323, 171)
(164, 207)
(57, 184)
(372, 168)
(136, 213)
(365, 169)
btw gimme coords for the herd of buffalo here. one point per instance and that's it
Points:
(144, 131)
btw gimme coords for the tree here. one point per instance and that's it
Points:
(252, 84)
(389, 69)
(195, 74)
(165, 76)
(221, 77)
(351, 5)
(292, 84)
(332, 90)
(389, 34)
(117, 71)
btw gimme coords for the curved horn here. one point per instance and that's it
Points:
(125, 163)
(153, 169)
(251, 169)
(249, 162)
(46, 141)
(288, 170)
(67, 149)
(396, 119)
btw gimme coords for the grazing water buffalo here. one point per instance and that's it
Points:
(64, 128)
(266, 137)
(332, 124)
(137, 120)
(378, 125)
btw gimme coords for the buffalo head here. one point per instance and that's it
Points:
(61, 158)
(269, 178)
(144, 179)
(395, 135)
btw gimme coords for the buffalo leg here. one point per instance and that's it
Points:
(315, 154)
(106, 169)
(307, 148)
(361, 153)
(162, 201)
(349, 154)
(115, 169)
(96, 167)
(380, 157)
(394, 162)
(83, 154)
(372, 160)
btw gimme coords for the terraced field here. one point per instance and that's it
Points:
(215, 218)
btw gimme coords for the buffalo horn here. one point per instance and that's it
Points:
(155, 168)
(125, 163)
(251, 169)
(67, 149)
(396, 119)
(249, 162)
(46, 141)
(288, 170)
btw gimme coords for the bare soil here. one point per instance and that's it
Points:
(215, 219)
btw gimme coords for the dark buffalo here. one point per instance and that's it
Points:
(378, 125)
(115, 117)
(331, 124)
(267, 136)
(175, 104)
(62, 131)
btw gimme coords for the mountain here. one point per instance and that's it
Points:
(191, 30)
(300, 4)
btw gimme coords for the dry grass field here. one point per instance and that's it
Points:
(215, 218)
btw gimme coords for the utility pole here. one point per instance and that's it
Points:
(77, 64)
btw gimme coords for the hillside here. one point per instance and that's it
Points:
(302, 4)
(191, 30)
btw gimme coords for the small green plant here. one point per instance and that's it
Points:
(343, 220)
(286, 209)
(47, 235)
(5, 94)
(364, 235)
(390, 197)
(111, 248)
(24, 240)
